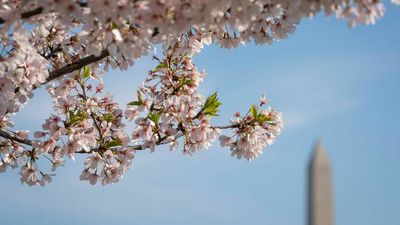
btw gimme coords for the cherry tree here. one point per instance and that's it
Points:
(66, 46)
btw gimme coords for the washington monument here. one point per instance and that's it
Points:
(320, 205)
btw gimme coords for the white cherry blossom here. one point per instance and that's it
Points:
(67, 46)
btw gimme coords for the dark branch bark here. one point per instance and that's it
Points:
(37, 11)
(70, 67)
(26, 15)
(11, 136)
(76, 65)
(52, 52)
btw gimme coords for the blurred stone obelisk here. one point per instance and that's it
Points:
(320, 204)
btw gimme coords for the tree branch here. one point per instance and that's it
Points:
(13, 137)
(26, 15)
(52, 52)
(37, 11)
(76, 65)
(227, 126)
(9, 135)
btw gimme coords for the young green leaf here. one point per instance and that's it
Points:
(183, 81)
(253, 111)
(108, 117)
(86, 72)
(75, 117)
(114, 26)
(261, 118)
(162, 65)
(155, 117)
(113, 143)
(140, 99)
(211, 105)
(137, 103)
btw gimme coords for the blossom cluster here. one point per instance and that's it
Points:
(168, 107)
(253, 132)
(172, 107)
(66, 31)
(84, 121)
(13, 154)
(20, 72)
(62, 32)
(66, 46)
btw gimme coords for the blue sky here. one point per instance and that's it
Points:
(330, 82)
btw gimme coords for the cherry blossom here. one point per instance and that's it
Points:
(67, 47)
(253, 132)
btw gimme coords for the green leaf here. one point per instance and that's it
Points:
(137, 103)
(108, 117)
(86, 72)
(71, 115)
(75, 117)
(162, 65)
(114, 26)
(253, 111)
(211, 105)
(113, 143)
(261, 118)
(155, 117)
(185, 81)
(139, 97)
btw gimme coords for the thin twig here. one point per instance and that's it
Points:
(38, 11)
(13, 137)
(161, 141)
(76, 65)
